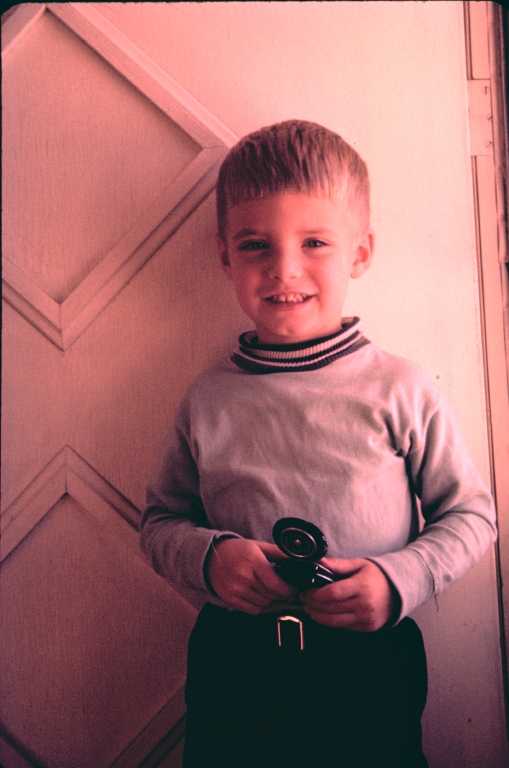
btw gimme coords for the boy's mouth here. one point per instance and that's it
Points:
(288, 298)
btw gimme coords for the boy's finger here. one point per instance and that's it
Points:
(271, 551)
(338, 621)
(347, 606)
(259, 598)
(246, 606)
(343, 566)
(262, 590)
(248, 599)
(332, 593)
(269, 579)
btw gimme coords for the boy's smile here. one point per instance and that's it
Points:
(290, 256)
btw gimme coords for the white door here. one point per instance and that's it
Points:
(105, 157)
(115, 119)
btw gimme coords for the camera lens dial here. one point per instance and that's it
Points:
(299, 538)
(298, 543)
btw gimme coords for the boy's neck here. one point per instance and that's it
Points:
(256, 357)
(346, 323)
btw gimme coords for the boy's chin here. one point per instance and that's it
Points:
(295, 336)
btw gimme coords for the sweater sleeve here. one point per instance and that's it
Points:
(458, 511)
(175, 533)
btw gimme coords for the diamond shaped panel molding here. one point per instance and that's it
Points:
(69, 473)
(68, 477)
(62, 322)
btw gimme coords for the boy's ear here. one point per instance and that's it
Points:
(223, 253)
(363, 254)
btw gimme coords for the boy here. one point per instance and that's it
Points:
(308, 419)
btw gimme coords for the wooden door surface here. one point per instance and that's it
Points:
(115, 118)
(105, 157)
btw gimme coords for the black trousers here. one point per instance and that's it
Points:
(349, 700)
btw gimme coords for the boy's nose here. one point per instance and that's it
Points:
(285, 265)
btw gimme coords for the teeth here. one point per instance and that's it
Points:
(288, 298)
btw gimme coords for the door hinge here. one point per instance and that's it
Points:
(480, 117)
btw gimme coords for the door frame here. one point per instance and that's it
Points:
(487, 49)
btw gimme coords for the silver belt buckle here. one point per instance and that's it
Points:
(289, 626)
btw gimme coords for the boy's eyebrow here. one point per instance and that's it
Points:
(245, 232)
(317, 231)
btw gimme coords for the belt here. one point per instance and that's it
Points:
(289, 633)
(283, 630)
(289, 625)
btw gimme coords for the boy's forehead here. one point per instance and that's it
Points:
(334, 188)
(314, 207)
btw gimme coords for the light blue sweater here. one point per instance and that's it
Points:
(360, 446)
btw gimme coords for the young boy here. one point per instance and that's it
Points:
(308, 419)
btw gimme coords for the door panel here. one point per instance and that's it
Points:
(114, 301)
(79, 122)
(105, 158)
(88, 638)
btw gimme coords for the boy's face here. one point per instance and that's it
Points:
(290, 256)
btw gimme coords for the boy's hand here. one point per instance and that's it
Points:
(363, 601)
(242, 576)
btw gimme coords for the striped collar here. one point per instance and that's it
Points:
(304, 356)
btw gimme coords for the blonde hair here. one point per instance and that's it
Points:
(294, 154)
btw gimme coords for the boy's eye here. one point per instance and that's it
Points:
(253, 245)
(313, 242)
